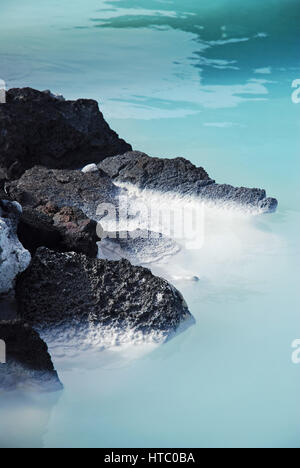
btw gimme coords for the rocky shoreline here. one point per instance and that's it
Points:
(180, 177)
(49, 231)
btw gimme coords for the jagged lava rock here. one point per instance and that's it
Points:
(28, 363)
(139, 246)
(180, 176)
(38, 128)
(85, 191)
(71, 290)
(13, 257)
(63, 229)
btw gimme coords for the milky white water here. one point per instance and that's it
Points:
(227, 381)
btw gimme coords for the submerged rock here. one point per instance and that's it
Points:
(181, 177)
(139, 246)
(28, 364)
(85, 191)
(69, 290)
(40, 128)
(13, 257)
(63, 229)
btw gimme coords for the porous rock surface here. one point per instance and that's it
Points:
(69, 289)
(13, 257)
(181, 177)
(72, 188)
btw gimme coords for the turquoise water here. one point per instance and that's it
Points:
(211, 81)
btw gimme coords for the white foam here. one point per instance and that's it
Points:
(230, 237)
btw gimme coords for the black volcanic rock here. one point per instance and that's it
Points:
(63, 229)
(160, 174)
(70, 290)
(179, 176)
(3, 195)
(85, 191)
(139, 246)
(37, 128)
(13, 257)
(28, 363)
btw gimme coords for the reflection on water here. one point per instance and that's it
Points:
(210, 81)
(207, 80)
